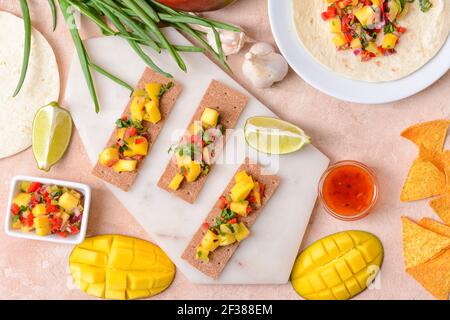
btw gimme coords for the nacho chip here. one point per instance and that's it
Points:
(442, 207)
(435, 226)
(434, 275)
(440, 159)
(420, 244)
(424, 180)
(429, 134)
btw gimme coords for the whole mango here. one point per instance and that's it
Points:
(120, 267)
(337, 267)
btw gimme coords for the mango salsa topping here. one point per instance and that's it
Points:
(132, 139)
(370, 28)
(243, 199)
(47, 209)
(198, 148)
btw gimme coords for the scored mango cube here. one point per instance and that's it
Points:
(115, 294)
(96, 290)
(139, 280)
(120, 258)
(91, 274)
(116, 280)
(137, 294)
(84, 256)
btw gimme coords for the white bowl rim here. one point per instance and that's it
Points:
(338, 86)
(77, 239)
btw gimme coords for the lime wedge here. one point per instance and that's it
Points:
(52, 129)
(274, 136)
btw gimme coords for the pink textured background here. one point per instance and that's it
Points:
(39, 270)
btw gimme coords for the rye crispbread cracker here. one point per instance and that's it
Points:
(124, 180)
(230, 104)
(220, 257)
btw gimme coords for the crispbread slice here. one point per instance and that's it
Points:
(230, 104)
(220, 257)
(124, 180)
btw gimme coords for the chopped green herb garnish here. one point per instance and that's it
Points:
(165, 88)
(425, 5)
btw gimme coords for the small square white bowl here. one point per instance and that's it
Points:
(71, 239)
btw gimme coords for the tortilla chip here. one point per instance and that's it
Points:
(442, 208)
(435, 226)
(434, 275)
(429, 134)
(424, 180)
(440, 159)
(420, 244)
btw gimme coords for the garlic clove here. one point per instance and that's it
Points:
(263, 66)
(232, 42)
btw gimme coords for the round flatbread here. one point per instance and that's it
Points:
(427, 33)
(41, 84)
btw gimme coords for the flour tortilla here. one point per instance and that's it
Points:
(41, 85)
(427, 33)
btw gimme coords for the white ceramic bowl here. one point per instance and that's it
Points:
(333, 84)
(71, 239)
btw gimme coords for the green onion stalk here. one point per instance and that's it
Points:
(139, 22)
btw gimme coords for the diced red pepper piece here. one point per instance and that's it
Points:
(73, 230)
(401, 29)
(15, 209)
(34, 186)
(62, 234)
(232, 221)
(124, 118)
(223, 203)
(131, 132)
(51, 208)
(29, 221)
(205, 226)
(251, 199)
(249, 209)
(139, 140)
(330, 13)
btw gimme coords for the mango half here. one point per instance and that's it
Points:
(337, 267)
(120, 267)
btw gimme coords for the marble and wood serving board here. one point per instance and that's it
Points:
(267, 256)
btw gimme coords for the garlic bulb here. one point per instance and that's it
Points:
(232, 42)
(263, 66)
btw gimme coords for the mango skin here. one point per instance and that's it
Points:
(120, 267)
(338, 266)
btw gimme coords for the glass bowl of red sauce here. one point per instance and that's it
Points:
(348, 190)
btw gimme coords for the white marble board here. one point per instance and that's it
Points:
(264, 258)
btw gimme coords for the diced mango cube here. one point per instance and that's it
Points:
(152, 112)
(137, 108)
(340, 292)
(240, 207)
(120, 133)
(17, 225)
(153, 90)
(335, 25)
(339, 40)
(241, 190)
(125, 165)
(356, 43)
(176, 182)
(108, 157)
(365, 15)
(210, 117)
(41, 221)
(22, 199)
(226, 239)
(193, 171)
(139, 146)
(202, 254)
(242, 233)
(45, 231)
(210, 241)
(389, 41)
(39, 209)
(241, 176)
(68, 202)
